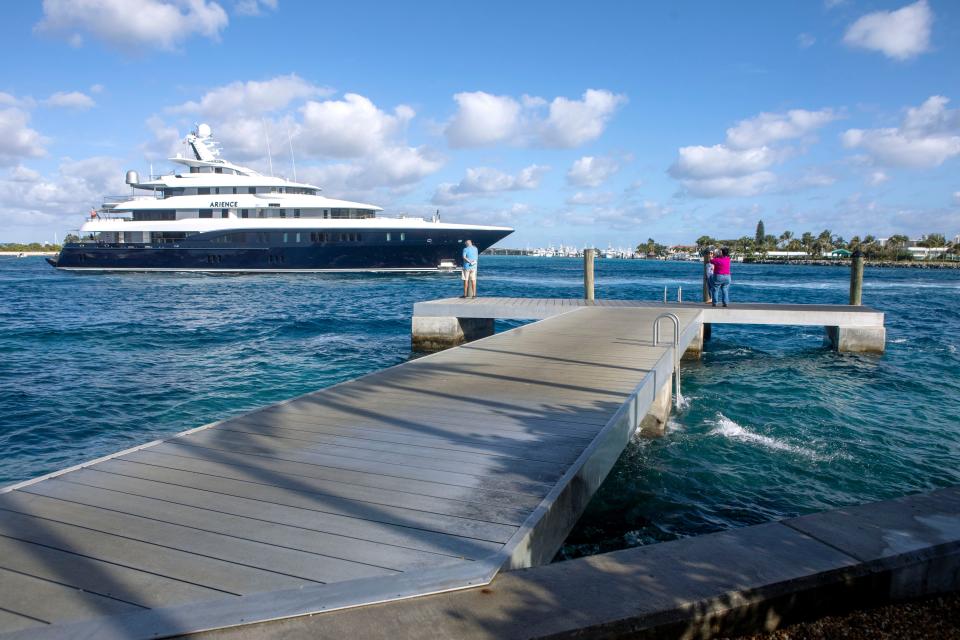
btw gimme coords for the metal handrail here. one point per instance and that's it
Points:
(676, 347)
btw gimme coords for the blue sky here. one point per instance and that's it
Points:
(601, 122)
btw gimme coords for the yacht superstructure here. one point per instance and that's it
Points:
(222, 217)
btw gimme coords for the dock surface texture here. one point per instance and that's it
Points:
(427, 477)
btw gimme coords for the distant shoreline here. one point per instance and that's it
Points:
(27, 254)
(883, 264)
(825, 262)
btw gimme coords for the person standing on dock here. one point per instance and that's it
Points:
(470, 259)
(708, 276)
(721, 277)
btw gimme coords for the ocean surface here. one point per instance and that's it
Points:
(776, 425)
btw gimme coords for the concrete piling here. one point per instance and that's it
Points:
(588, 255)
(856, 278)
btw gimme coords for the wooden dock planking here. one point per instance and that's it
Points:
(424, 477)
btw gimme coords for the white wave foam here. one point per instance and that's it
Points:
(727, 428)
(674, 425)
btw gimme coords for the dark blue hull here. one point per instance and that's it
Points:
(416, 253)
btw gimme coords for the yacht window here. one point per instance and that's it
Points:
(244, 213)
(388, 237)
(298, 238)
(218, 170)
(225, 213)
(194, 170)
(283, 213)
(403, 237)
(251, 189)
(285, 237)
(203, 191)
(234, 189)
(259, 213)
(296, 213)
(206, 213)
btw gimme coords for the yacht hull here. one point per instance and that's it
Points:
(416, 254)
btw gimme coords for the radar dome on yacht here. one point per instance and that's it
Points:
(204, 131)
(133, 177)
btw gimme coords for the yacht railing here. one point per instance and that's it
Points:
(112, 201)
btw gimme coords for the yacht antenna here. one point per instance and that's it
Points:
(293, 160)
(266, 134)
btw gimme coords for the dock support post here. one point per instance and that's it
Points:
(654, 424)
(588, 255)
(857, 339)
(695, 348)
(856, 278)
(430, 334)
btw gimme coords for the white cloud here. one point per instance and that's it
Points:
(699, 162)
(956, 197)
(160, 24)
(572, 123)
(395, 166)
(731, 186)
(96, 88)
(590, 198)
(768, 128)
(254, 7)
(33, 203)
(741, 165)
(17, 139)
(487, 181)
(70, 100)
(484, 119)
(900, 34)
(351, 127)
(592, 171)
(928, 136)
(9, 100)
(877, 178)
(625, 215)
(806, 40)
(254, 97)
(166, 142)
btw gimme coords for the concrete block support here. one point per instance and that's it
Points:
(695, 348)
(857, 339)
(431, 334)
(654, 424)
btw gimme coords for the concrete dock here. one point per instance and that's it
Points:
(441, 324)
(425, 478)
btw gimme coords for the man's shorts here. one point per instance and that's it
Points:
(468, 274)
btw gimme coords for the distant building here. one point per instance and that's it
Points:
(787, 254)
(926, 253)
(839, 253)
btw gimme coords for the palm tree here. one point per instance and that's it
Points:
(785, 238)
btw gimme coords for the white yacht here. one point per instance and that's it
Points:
(221, 217)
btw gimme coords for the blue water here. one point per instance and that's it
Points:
(776, 426)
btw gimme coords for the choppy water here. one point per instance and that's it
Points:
(776, 425)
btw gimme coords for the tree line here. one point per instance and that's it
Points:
(823, 243)
(32, 246)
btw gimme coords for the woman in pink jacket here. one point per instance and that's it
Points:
(721, 277)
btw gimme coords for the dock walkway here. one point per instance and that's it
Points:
(423, 478)
(439, 324)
